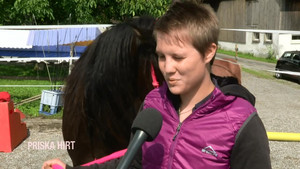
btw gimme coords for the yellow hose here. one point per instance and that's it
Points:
(278, 136)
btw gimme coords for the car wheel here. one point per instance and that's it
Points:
(278, 75)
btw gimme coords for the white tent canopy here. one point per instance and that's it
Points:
(14, 39)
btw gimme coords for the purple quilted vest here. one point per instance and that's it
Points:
(204, 140)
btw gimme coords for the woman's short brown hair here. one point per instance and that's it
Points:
(198, 19)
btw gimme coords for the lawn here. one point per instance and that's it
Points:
(20, 93)
(33, 70)
(17, 75)
(248, 56)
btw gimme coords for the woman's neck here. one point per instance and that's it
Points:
(190, 99)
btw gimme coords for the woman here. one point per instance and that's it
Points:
(202, 127)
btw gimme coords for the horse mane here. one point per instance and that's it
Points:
(108, 84)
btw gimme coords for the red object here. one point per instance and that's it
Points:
(117, 154)
(12, 130)
(56, 166)
(4, 97)
(155, 83)
(112, 156)
(20, 113)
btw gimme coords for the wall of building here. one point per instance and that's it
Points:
(286, 43)
(289, 15)
(263, 47)
(259, 15)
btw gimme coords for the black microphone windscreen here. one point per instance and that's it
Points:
(149, 121)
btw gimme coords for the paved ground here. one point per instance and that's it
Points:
(32, 152)
(278, 104)
(277, 101)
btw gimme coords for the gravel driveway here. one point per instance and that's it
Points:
(26, 156)
(278, 105)
(277, 101)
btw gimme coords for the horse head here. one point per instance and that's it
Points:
(106, 88)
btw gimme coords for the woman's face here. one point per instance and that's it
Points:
(182, 66)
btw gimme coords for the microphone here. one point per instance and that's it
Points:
(145, 127)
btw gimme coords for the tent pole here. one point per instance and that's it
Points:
(71, 57)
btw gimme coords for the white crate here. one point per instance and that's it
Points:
(52, 98)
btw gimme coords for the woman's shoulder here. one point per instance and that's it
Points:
(236, 105)
(242, 105)
(238, 91)
(159, 92)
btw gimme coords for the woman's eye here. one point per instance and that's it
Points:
(177, 57)
(161, 57)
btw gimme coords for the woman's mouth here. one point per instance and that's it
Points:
(172, 82)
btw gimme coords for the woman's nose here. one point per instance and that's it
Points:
(170, 65)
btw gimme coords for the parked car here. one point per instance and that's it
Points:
(288, 65)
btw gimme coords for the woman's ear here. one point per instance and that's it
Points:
(210, 52)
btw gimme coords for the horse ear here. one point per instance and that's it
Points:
(210, 52)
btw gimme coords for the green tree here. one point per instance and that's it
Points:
(5, 6)
(41, 12)
(31, 12)
(75, 11)
(155, 8)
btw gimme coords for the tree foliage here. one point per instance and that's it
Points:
(41, 12)
(140, 7)
(30, 11)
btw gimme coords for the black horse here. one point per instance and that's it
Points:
(106, 88)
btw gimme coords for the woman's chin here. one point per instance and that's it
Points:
(175, 90)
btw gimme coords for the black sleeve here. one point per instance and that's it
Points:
(251, 149)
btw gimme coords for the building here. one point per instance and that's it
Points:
(260, 27)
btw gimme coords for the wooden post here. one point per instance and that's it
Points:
(236, 51)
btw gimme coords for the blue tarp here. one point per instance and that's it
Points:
(47, 51)
(62, 36)
(34, 54)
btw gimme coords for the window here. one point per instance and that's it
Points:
(296, 57)
(255, 37)
(287, 55)
(295, 37)
(268, 37)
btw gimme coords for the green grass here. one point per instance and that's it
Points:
(267, 75)
(33, 70)
(20, 93)
(260, 74)
(247, 56)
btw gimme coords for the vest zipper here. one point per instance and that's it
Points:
(177, 131)
(173, 144)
